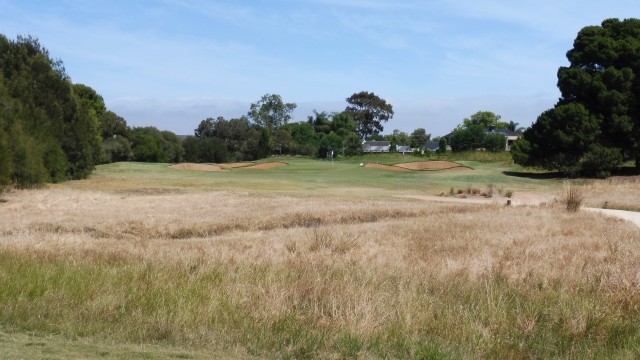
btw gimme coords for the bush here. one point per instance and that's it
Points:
(572, 197)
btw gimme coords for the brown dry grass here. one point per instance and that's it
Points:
(343, 266)
(537, 243)
(618, 192)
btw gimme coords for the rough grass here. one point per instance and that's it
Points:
(619, 192)
(287, 276)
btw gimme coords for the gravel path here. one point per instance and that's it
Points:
(632, 216)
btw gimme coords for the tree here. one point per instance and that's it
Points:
(400, 137)
(204, 149)
(558, 139)
(93, 99)
(484, 119)
(206, 127)
(369, 112)
(468, 138)
(282, 139)
(270, 112)
(111, 124)
(442, 145)
(330, 145)
(304, 139)
(601, 87)
(419, 138)
(58, 120)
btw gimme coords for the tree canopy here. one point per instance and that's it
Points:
(596, 123)
(270, 112)
(369, 112)
(50, 126)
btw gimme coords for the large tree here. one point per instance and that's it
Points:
(596, 123)
(270, 112)
(50, 122)
(369, 112)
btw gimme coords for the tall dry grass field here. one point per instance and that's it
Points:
(618, 192)
(275, 275)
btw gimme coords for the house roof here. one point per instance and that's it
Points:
(432, 145)
(377, 143)
(490, 130)
(504, 132)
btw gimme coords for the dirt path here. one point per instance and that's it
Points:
(632, 216)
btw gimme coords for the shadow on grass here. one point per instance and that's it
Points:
(536, 176)
(626, 171)
(623, 171)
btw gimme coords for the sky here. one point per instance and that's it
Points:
(172, 63)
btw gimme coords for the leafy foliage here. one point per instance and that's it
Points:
(419, 138)
(51, 123)
(485, 120)
(270, 112)
(369, 112)
(596, 123)
(471, 137)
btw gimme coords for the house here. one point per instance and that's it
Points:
(376, 146)
(434, 146)
(383, 147)
(510, 135)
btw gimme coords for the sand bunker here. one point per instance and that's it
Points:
(227, 167)
(419, 166)
(197, 167)
(430, 165)
(235, 165)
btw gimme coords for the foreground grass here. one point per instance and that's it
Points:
(16, 344)
(194, 273)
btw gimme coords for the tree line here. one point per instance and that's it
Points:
(53, 130)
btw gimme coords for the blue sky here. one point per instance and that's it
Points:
(173, 63)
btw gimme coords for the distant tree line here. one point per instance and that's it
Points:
(53, 130)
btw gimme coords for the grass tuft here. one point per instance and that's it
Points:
(572, 197)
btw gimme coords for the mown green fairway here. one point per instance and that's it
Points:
(311, 176)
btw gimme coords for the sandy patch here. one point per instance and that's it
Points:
(197, 167)
(266, 166)
(429, 165)
(386, 167)
(235, 165)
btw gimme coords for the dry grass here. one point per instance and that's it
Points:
(618, 192)
(316, 277)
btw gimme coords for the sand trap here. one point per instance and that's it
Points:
(235, 165)
(197, 167)
(386, 167)
(266, 166)
(430, 165)
(424, 165)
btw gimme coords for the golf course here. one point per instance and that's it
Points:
(302, 258)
